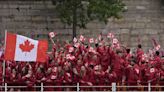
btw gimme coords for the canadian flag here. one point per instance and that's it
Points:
(52, 34)
(21, 48)
(115, 41)
(91, 40)
(75, 40)
(71, 49)
(77, 45)
(157, 47)
(82, 39)
(110, 35)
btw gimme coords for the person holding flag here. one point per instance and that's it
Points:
(20, 48)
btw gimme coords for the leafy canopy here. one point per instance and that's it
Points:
(87, 10)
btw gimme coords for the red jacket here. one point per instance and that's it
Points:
(152, 74)
(132, 74)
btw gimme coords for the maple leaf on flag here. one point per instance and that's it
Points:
(91, 40)
(26, 46)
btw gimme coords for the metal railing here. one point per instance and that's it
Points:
(113, 87)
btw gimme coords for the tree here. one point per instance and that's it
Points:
(77, 13)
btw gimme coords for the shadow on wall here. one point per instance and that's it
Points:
(162, 2)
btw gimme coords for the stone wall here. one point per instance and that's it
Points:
(28, 17)
(144, 18)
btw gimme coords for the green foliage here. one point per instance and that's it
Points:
(87, 10)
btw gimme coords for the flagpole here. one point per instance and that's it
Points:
(4, 59)
(52, 41)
